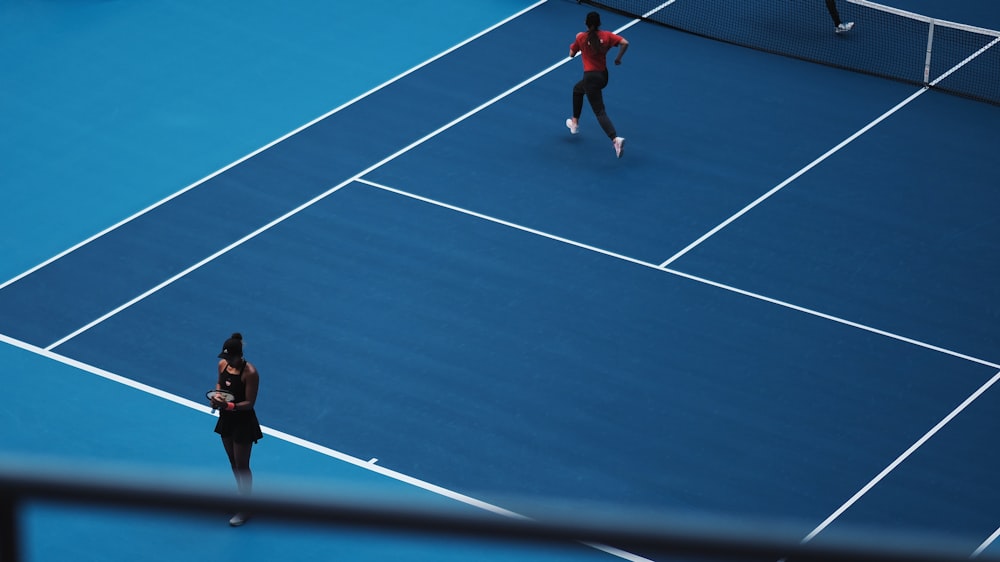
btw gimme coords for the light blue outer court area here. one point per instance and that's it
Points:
(108, 107)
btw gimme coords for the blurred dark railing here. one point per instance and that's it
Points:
(694, 537)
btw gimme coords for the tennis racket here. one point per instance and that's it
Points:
(219, 395)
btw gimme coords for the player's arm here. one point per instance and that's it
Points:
(251, 380)
(622, 47)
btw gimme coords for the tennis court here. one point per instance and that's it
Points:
(779, 305)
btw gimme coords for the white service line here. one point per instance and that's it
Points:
(836, 319)
(505, 223)
(688, 276)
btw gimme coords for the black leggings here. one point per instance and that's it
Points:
(239, 459)
(591, 85)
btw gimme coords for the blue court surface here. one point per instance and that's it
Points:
(779, 305)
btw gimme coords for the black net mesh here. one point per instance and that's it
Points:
(885, 41)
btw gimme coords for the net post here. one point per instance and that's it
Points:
(9, 535)
(927, 61)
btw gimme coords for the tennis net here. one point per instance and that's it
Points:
(887, 42)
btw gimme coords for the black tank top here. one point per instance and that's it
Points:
(234, 383)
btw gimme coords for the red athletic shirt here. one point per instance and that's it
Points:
(592, 61)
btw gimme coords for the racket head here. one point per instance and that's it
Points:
(220, 395)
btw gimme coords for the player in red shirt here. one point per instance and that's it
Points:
(594, 45)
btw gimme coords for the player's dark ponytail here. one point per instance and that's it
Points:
(593, 39)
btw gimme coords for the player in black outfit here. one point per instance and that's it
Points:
(238, 423)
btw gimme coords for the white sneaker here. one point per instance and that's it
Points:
(238, 519)
(619, 143)
(573, 127)
(844, 27)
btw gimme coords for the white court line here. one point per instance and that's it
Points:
(688, 276)
(955, 68)
(792, 178)
(830, 152)
(836, 319)
(986, 544)
(504, 222)
(194, 267)
(885, 472)
(320, 197)
(369, 465)
(901, 458)
(268, 146)
(269, 431)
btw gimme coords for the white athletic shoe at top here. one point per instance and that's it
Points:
(573, 128)
(844, 27)
(619, 143)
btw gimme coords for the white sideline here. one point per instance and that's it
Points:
(267, 146)
(332, 453)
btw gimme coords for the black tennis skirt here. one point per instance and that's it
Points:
(241, 427)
